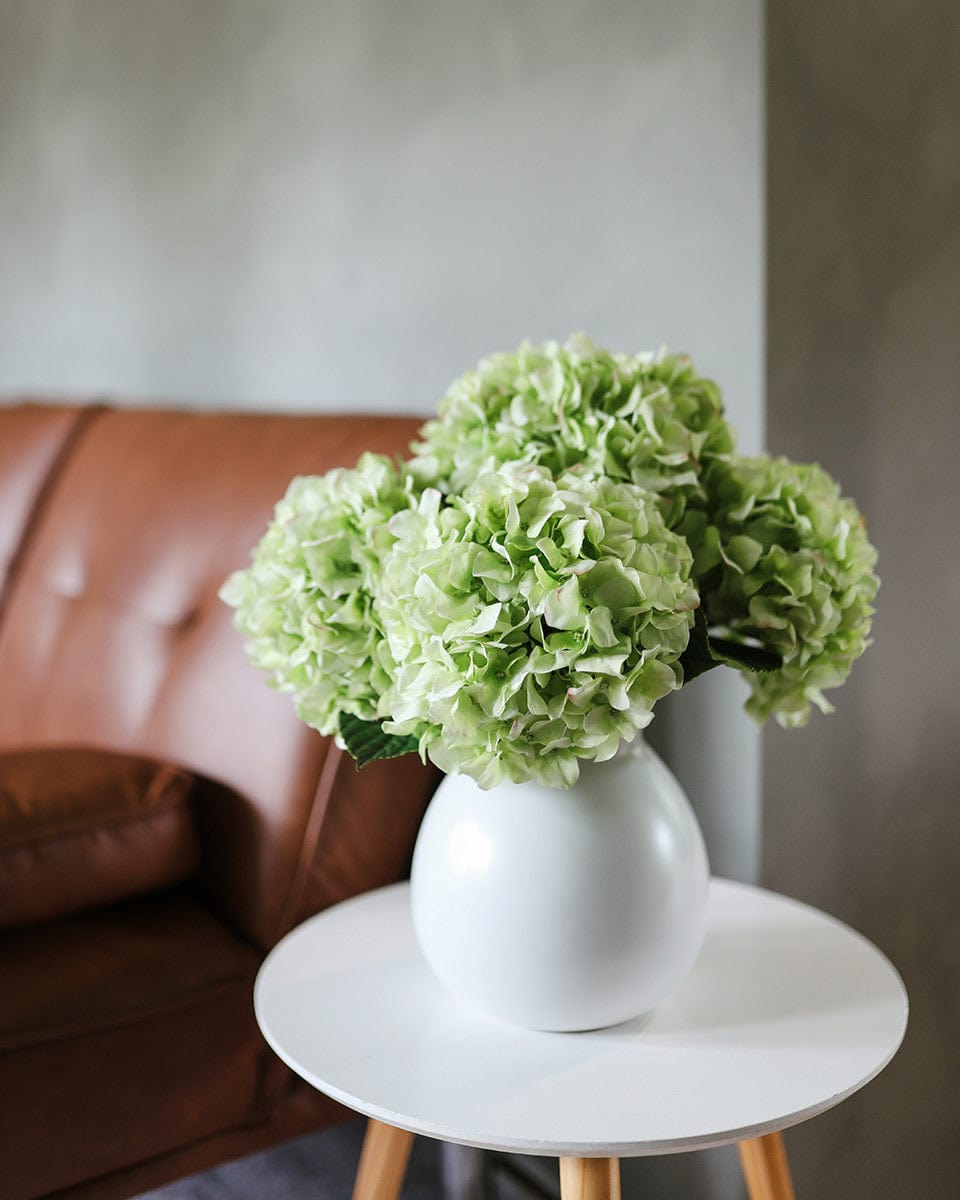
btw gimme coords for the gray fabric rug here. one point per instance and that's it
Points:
(320, 1166)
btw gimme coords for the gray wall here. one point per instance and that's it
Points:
(342, 205)
(861, 812)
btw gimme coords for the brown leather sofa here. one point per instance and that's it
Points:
(164, 817)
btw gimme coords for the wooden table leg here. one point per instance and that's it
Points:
(589, 1179)
(765, 1168)
(383, 1162)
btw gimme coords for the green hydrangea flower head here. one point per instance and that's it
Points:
(783, 560)
(534, 621)
(649, 419)
(305, 604)
(574, 538)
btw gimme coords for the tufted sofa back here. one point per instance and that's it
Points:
(117, 528)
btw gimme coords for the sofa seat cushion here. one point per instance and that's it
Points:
(153, 1001)
(83, 827)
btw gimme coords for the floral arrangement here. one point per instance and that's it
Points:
(573, 538)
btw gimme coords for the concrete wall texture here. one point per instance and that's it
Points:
(861, 812)
(344, 204)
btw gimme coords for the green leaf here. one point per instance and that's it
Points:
(704, 652)
(744, 657)
(367, 742)
(697, 659)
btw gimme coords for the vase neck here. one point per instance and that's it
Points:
(627, 751)
(631, 747)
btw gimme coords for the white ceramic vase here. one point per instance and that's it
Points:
(562, 910)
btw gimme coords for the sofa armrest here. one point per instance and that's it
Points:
(356, 833)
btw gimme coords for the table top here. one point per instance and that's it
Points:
(786, 1012)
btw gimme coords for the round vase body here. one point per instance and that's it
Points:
(562, 910)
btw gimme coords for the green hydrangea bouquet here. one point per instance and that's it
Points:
(574, 537)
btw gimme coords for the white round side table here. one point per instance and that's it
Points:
(786, 1013)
